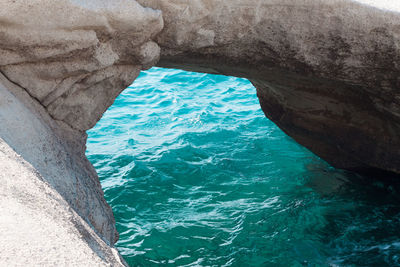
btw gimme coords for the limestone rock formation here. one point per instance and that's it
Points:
(62, 63)
(37, 225)
(326, 72)
(75, 57)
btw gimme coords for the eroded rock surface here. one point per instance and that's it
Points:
(62, 64)
(326, 72)
(75, 57)
(37, 225)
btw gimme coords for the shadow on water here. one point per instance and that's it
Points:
(362, 217)
(191, 186)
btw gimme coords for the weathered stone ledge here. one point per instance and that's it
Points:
(326, 72)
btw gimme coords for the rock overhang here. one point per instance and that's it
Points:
(326, 72)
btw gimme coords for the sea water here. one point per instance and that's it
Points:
(196, 175)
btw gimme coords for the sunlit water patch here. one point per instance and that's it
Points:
(197, 176)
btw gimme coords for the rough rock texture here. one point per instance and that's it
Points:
(62, 63)
(338, 57)
(326, 72)
(37, 225)
(37, 191)
(57, 153)
(75, 57)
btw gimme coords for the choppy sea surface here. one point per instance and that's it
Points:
(197, 176)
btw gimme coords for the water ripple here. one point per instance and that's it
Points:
(197, 176)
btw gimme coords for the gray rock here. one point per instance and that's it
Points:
(37, 225)
(326, 72)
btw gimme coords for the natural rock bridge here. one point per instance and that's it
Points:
(326, 71)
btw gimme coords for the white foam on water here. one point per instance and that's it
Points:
(392, 5)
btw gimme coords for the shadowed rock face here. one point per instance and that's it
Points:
(326, 72)
(73, 57)
(62, 64)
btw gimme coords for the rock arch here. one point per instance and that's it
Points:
(326, 72)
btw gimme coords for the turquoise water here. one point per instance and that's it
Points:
(197, 176)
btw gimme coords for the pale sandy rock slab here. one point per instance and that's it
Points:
(61, 51)
(57, 153)
(64, 63)
(38, 226)
(326, 71)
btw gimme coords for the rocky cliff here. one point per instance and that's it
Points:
(326, 72)
(62, 63)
